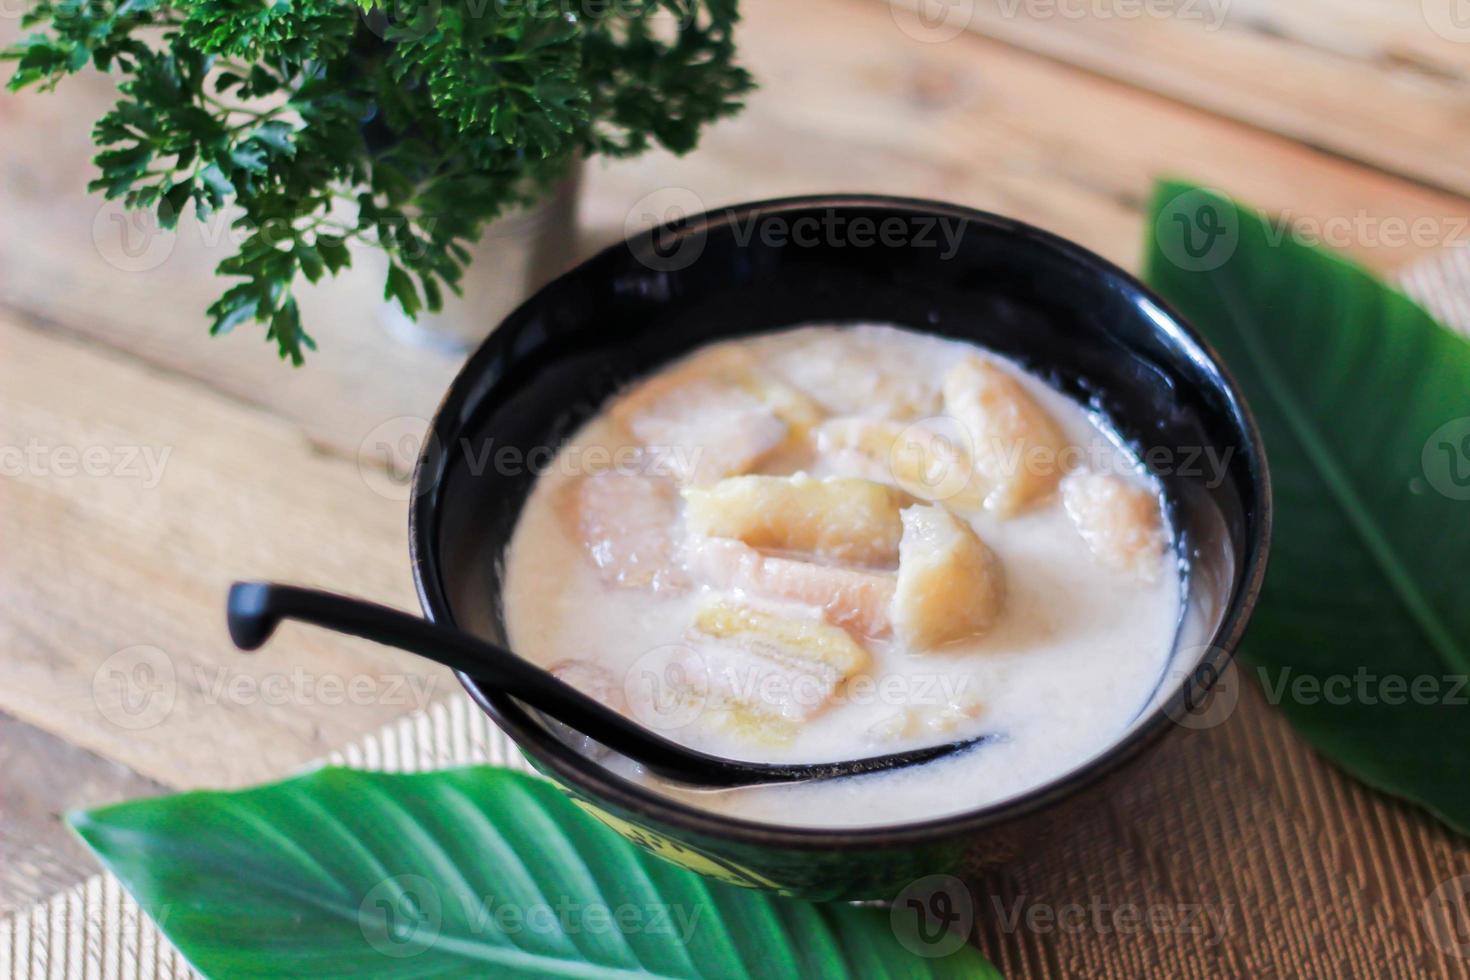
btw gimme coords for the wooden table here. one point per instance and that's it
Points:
(1350, 115)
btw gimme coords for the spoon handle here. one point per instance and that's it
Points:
(255, 609)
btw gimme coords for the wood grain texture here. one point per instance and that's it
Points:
(849, 101)
(869, 108)
(78, 263)
(44, 776)
(1386, 82)
(129, 501)
(1310, 874)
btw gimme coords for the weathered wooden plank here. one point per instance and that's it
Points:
(872, 108)
(867, 107)
(44, 777)
(1386, 82)
(985, 125)
(77, 262)
(128, 502)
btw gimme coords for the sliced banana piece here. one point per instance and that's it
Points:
(775, 665)
(1120, 522)
(705, 430)
(945, 718)
(593, 680)
(1017, 447)
(760, 697)
(716, 415)
(625, 524)
(799, 641)
(950, 584)
(866, 374)
(854, 598)
(922, 459)
(754, 726)
(839, 518)
(800, 413)
(597, 682)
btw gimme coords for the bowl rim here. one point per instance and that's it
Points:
(585, 776)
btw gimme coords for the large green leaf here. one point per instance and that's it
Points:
(476, 872)
(1364, 404)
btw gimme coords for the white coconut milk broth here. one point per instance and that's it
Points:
(1073, 657)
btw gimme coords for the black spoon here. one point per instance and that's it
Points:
(257, 608)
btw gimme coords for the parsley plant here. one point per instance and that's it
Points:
(406, 124)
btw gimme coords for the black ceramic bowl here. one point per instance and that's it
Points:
(1091, 329)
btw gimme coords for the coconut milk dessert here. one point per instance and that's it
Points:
(829, 543)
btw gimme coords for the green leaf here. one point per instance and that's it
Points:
(129, 7)
(334, 253)
(435, 117)
(400, 287)
(216, 184)
(433, 295)
(250, 157)
(1363, 401)
(277, 137)
(285, 330)
(476, 872)
(311, 261)
(130, 160)
(175, 199)
(238, 304)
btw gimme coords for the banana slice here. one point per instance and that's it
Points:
(1120, 522)
(929, 719)
(950, 584)
(798, 641)
(1017, 447)
(849, 597)
(716, 415)
(923, 460)
(800, 413)
(593, 680)
(840, 518)
(625, 524)
(756, 727)
(760, 698)
(865, 374)
(704, 429)
(772, 667)
(596, 682)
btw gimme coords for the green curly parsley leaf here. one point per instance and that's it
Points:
(403, 124)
